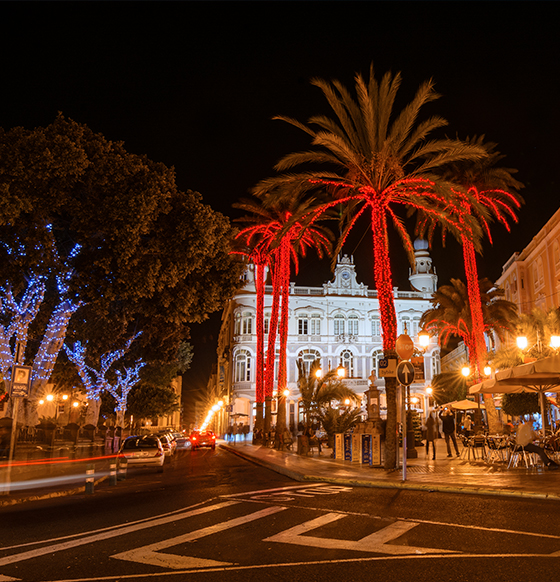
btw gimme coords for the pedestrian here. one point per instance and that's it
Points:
(467, 425)
(448, 424)
(524, 438)
(431, 434)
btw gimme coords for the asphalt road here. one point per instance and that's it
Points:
(215, 517)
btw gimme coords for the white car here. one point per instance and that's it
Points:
(143, 451)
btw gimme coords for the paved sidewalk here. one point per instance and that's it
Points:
(452, 475)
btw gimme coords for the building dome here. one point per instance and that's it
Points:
(421, 245)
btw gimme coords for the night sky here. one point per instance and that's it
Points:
(195, 84)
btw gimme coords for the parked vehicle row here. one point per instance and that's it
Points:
(151, 450)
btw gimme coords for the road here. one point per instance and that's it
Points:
(215, 517)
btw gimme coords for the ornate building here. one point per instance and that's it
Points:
(531, 278)
(337, 323)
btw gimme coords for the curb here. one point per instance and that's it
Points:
(9, 502)
(381, 484)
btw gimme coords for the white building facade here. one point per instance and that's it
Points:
(338, 324)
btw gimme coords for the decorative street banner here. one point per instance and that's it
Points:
(356, 448)
(21, 381)
(366, 449)
(375, 450)
(339, 446)
(347, 447)
(418, 364)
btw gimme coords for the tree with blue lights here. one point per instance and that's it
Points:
(96, 380)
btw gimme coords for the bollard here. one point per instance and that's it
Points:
(122, 469)
(90, 476)
(113, 473)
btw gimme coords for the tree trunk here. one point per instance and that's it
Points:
(92, 411)
(384, 286)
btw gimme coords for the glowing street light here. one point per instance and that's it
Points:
(341, 371)
(522, 342)
(424, 340)
(466, 371)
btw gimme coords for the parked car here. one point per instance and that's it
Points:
(204, 438)
(168, 443)
(143, 451)
(182, 440)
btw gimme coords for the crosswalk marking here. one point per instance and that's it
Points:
(109, 534)
(376, 542)
(149, 554)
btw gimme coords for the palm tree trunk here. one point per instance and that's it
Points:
(271, 348)
(282, 364)
(384, 286)
(478, 345)
(259, 380)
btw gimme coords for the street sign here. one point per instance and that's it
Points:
(387, 367)
(405, 373)
(404, 346)
(21, 380)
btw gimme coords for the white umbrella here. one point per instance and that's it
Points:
(540, 376)
(463, 405)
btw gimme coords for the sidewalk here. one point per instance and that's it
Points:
(451, 475)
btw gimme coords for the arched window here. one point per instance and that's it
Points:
(353, 324)
(242, 366)
(436, 363)
(376, 356)
(307, 357)
(347, 362)
(338, 324)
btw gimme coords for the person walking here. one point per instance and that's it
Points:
(448, 424)
(431, 434)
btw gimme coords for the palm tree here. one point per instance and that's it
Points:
(451, 316)
(376, 165)
(486, 192)
(319, 391)
(285, 230)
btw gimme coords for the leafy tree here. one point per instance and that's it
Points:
(152, 258)
(521, 404)
(378, 161)
(149, 402)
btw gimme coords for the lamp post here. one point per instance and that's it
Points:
(281, 417)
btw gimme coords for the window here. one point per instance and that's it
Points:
(266, 323)
(375, 327)
(315, 324)
(556, 255)
(303, 324)
(347, 362)
(338, 324)
(242, 366)
(353, 322)
(307, 357)
(237, 328)
(247, 323)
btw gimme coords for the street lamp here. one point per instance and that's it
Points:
(424, 340)
(341, 371)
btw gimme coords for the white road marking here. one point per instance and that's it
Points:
(8, 579)
(260, 491)
(109, 534)
(376, 542)
(149, 554)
